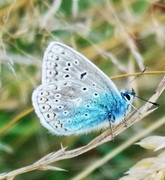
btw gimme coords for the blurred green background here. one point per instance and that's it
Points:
(119, 36)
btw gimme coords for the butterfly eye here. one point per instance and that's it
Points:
(127, 96)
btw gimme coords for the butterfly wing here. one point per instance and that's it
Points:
(75, 96)
(64, 63)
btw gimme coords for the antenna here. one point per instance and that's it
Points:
(137, 76)
(155, 104)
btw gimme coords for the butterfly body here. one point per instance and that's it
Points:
(75, 96)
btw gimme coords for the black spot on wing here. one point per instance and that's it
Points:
(82, 75)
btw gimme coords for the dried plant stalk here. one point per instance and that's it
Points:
(43, 164)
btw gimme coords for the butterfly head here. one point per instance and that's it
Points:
(128, 95)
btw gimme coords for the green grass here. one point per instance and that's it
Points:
(126, 30)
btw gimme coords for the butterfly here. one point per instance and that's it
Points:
(75, 96)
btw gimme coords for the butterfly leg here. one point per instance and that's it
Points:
(111, 118)
(125, 121)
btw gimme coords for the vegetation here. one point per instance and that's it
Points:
(121, 38)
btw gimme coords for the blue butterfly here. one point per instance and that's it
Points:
(75, 96)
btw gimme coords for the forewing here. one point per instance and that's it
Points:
(64, 63)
